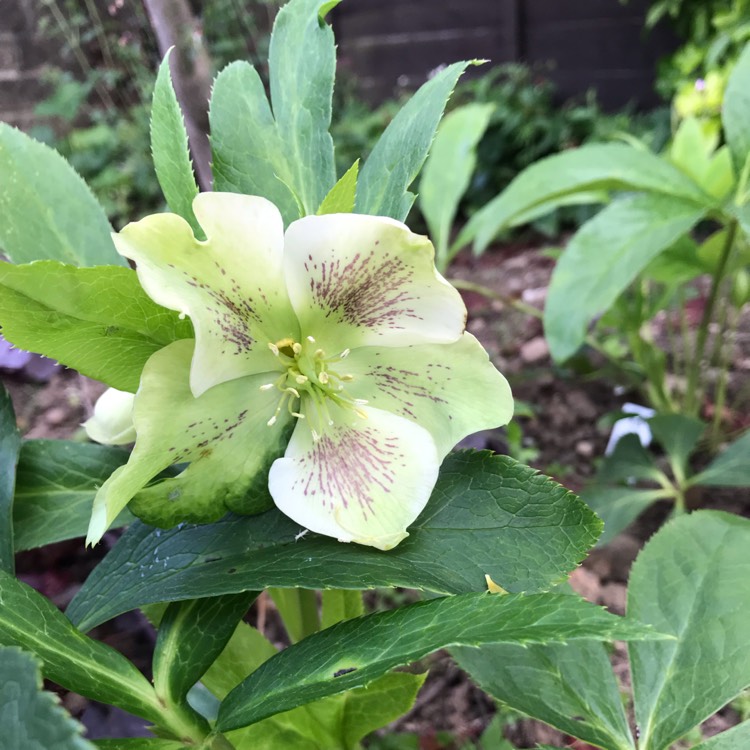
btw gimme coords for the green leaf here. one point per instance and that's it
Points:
(604, 256)
(138, 743)
(572, 687)
(338, 722)
(692, 580)
(298, 609)
(55, 488)
(169, 147)
(402, 149)
(678, 435)
(302, 66)
(47, 209)
(736, 738)
(248, 154)
(68, 657)
(285, 155)
(340, 604)
(487, 515)
(618, 507)
(612, 166)
(731, 468)
(354, 652)
(448, 170)
(32, 719)
(629, 461)
(735, 111)
(10, 444)
(343, 195)
(98, 321)
(192, 634)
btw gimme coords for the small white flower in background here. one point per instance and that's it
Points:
(112, 421)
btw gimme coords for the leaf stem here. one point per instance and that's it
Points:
(692, 399)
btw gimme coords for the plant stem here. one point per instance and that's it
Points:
(308, 608)
(692, 399)
(485, 291)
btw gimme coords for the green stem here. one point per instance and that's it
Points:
(485, 291)
(185, 724)
(692, 398)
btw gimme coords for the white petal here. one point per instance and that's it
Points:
(364, 481)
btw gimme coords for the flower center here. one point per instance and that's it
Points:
(310, 378)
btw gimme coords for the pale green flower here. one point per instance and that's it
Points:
(112, 421)
(329, 362)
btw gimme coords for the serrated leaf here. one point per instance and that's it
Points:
(31, 718)
(285, 155)
(354, 652)
(343, 195)
(169, 148)
(487, 515)
(55, 488)
(338, 722)
(731, 468)
(402, 149)
(735, 111)
(68, 657)
(736, 738)
(98, 321)
(48, 211)
(604, 257)
(302, 67)
(692, 579)
(192, 634)
(248, 155)
(10, 445)
(597, 167)
(448, 170)
(571, 687)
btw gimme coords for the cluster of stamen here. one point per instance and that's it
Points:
(309, 383)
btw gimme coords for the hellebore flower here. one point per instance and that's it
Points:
(333, 354)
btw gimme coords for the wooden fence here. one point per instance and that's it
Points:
(393, 44)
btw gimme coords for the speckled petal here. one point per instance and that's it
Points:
(451, 390)
(359, 280)
(231, 285)
(223, 435)
(364, 481)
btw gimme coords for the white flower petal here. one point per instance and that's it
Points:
(359, 280)
(364, 481)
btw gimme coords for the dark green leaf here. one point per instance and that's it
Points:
(55, 488)
(192, 634)
(10, 444)
(604, 257)
(731, 468)
(98, 321)
(169, 147)
(353, 653)
(550, 181)
(735, 111)
(692, 580)
(629, 461)
(487, 515)
(32, 719)
(68, 657)
(48, 211)
(402, 149)
(572, 687)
